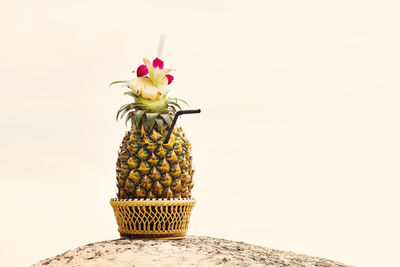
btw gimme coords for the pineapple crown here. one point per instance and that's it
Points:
(149, 90)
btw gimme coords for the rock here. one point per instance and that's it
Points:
(191, 251)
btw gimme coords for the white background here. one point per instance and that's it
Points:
(297, 146)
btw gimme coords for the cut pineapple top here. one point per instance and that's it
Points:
(149, 91)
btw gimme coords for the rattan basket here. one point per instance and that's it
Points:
(153, 218)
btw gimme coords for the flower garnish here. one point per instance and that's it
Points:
(170, 78)
(142, 71)
(149, 90)
(153, 86)
(158, 63)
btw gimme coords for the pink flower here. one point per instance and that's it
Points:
(170, 78)
(142, 70)
(158, 63)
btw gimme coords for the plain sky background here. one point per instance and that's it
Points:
(297, 146)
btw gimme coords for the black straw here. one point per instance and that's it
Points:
(180, 112)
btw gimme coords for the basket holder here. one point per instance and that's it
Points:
(153, 218)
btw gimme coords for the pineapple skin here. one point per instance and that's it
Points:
(147, 168)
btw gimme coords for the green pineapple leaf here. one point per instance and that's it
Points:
(159, 122)
(138, 116)
(127, 109)
(129, 117)
(176, 104)
(126, 81)
(145, 122)
(167, 119)
(124, 107)
(151, 117)
(178, 99)
(173, 109)
(130, 93)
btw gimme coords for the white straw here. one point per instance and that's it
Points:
(161, 45)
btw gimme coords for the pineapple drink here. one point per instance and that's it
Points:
(147, 168)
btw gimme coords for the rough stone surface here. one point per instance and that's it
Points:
(192, 251)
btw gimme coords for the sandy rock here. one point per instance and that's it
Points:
(192, 251)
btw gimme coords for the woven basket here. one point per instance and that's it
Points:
(153, 218)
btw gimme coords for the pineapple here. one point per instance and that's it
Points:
(146, 167)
